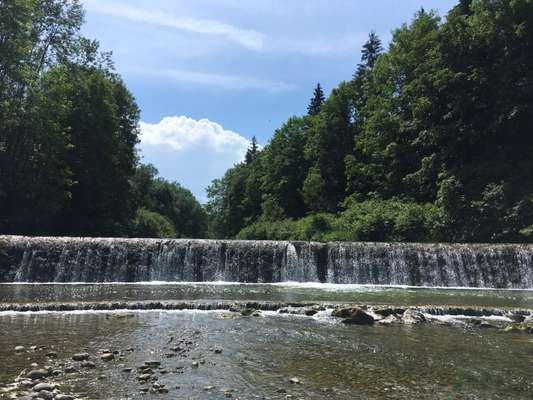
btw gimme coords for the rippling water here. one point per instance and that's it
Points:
(261, 354)
(287, 292)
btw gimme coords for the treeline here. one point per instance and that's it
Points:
(68, 135)
(431, 140)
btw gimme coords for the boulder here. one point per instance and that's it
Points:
(354, 316)
(413, 316)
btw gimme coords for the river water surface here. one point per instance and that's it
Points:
(259, 355)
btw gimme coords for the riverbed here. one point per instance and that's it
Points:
(221, 354)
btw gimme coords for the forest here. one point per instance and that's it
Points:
(430, 140)
(68, 135)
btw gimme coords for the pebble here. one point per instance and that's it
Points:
(43, 386)
(70, 369)
(51, 354)
(87, 364)
(20, 349)
(107, 356)
(294, 381)
(80, 357)
(37, 374)
(46, 395)
(64, 397)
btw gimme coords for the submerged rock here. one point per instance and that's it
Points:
(37, 374)
(80, 356)
(107, 356)
(355, 316)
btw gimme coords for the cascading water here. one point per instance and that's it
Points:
(47, 259)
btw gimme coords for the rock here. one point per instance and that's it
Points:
(390, 319)
(218, 350)
(294, 381)
(51, 354)
(485, 325)
(310, 312)
(413, 316)
(386, 311)
(43, 386)
(27, 383)
(144, 377)
(88, 364)
(70, 369)
(37, 374)
(64, 397)
(152, 363)
(208, 388)
(354, 316)
(107, 356)
(247, 311)
(20, 349)
(46, 395)
(162, 390)
(195, 364)
(80, 356)
(127, 370)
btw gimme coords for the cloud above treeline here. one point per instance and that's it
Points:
(191, 152)
(184, 133)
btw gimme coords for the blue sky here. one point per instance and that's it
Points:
(210, 74)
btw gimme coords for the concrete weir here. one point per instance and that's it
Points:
(62, 259)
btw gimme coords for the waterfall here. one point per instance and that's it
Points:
(49, 259)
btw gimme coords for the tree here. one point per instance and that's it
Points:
(159, 201)
(316, 102)
(331, 139)
(252, 151)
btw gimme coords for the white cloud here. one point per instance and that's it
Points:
(183, 133)
(232, 82)
(191, 152)
(248, 38)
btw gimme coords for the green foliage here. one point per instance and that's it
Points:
(68, 131)
(170, 201)
(431, 140)
(149, 224)
(316, 102)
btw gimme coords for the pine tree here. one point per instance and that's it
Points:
(317, 101)
(251, 153)
(371, 51)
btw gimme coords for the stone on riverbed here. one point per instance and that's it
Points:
(37, 374)
(353, 315)
(43, 386)
(46, 395)
(88, 364)
(107, 356)
(64, 397)
(20, 349)
(80, 356)
(413, 316)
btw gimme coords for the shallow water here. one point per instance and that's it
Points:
(288, 292)
(261, 354)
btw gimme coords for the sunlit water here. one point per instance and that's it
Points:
(287, 292)
(261, 354)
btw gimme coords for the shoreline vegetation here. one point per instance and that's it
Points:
(429, 141)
